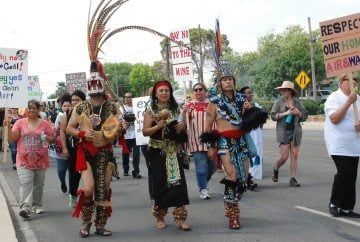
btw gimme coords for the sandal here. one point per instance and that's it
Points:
(234, 223)
(160, 224)
(85, 231)
(103, 232)
(184, 226)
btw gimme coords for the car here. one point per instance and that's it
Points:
(321, 95)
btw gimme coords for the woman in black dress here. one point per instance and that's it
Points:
(166, 131)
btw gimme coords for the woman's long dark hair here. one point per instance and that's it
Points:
(173, 106)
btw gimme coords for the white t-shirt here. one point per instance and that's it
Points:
(341, 138)
(130, 131)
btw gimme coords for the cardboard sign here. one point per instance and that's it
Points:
(13, 77)
(341, 44)
(76, 81)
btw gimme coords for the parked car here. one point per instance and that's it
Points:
(321, 95)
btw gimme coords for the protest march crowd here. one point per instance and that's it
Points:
(220, 127)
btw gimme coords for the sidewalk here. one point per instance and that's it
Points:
(7, 231)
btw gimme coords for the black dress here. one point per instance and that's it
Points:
(165, 195)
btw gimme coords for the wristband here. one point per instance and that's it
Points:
(81, 134)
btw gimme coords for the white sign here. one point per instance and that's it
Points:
(181, 35)
(139, 106)
(13, 77)
(183, 72)
(34, 91)
(180, 55)
(179, 96)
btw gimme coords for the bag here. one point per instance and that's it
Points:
(184, 160)
(250, 145)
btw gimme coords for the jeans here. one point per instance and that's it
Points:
(31, 187)
(61, 165)
(13, 146)
(204, 168)
(135, 149)
(343, 193)
(144, 150)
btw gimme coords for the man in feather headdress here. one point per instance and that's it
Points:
(96, 122)
(227, 109)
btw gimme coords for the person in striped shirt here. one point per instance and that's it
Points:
(194, 112)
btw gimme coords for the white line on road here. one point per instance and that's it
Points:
(328, 215)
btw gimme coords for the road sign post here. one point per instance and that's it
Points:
(302, 80)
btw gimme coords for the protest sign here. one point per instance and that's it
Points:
(13, 77)
(341, 44)
(76, 81)
(34, 91)
(139, 106)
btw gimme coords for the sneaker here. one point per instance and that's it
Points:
(38, 210)
(350, 214)
(24, 213)
(126, 173)
(204, 194)
(293, 182)
(275, 176)
(334, 211)
(64, 188)
(72, 201)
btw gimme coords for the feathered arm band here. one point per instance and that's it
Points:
(253, 118)
(209, 138)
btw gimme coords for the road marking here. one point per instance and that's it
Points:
(328, 215)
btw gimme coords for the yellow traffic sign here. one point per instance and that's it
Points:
(302, 79)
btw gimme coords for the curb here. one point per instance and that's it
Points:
(7, 231)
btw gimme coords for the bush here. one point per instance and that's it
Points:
(313, 107)
(265, 104)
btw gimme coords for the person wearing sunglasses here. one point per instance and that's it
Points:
(288, 112)
(341, 134)
(194, 112)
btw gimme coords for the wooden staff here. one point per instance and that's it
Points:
(352, 89)
(5, 137)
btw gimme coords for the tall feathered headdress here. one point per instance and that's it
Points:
(96, 31)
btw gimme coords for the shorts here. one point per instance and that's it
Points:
(288, 137)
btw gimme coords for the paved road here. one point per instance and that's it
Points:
(275, 212)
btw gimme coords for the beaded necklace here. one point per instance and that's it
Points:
(231, 111)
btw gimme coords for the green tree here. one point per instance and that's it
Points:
(282, 57)
(118, 75)
(140, 79)
(60, 90)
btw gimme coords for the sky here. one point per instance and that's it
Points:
(54, 32)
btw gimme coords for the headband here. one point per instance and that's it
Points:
(162, 83)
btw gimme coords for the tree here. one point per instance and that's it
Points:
(60, 90)
(140, 79)
(279, 57)
(118, 75)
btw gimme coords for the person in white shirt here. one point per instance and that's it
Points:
(343, 145)
(128, 118)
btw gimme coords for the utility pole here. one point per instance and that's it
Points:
(168, 59)
(201, 74)
(312, 40)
